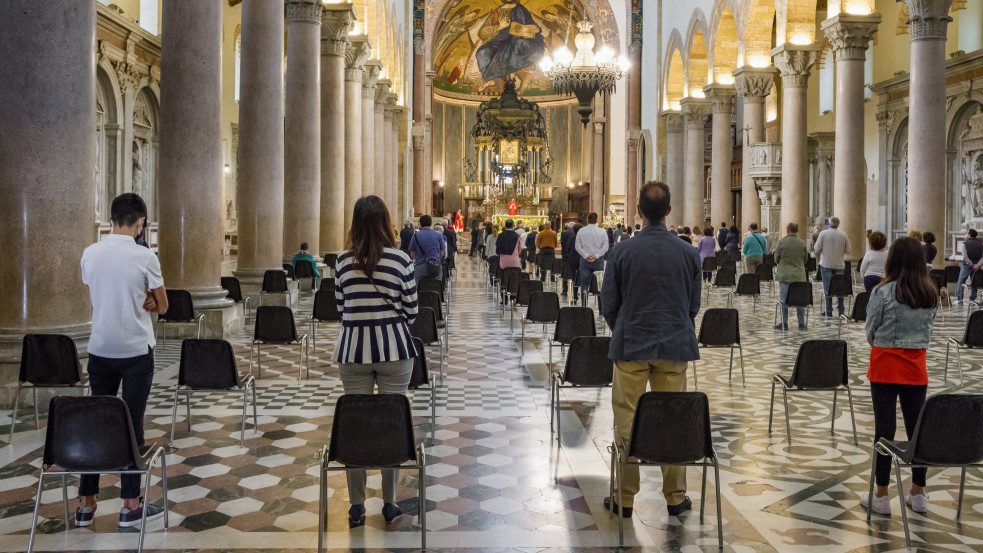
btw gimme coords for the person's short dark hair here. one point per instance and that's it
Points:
(509, 223)
(723, 225)
(653, 201)
(878, 240)
(592, 218)
(793, 228)
(127, 209)
(753, 226)
(619, 225)
(687, 230)
(638, 226)
(972, 233)
(928, 238)
(708, 231)
(303, 246)
(425, 221)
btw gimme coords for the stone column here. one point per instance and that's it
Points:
(47, 171)
(401, 208)
(674, 165)
(370, 77)
(389, 130)
(302, 126)
(597, 172)
(794, 63)
(379, 148)
(420, 186)
(336, 22)
(722, 102)
(634, 178)
(356, 54)
(927, 25)
(753, 85)
(695, 112)
(190, 160)
(260, 191)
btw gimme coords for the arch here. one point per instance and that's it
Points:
(237, 51)
(142, 152)
(796, 22)
(758, 23)
(697, 59)
(724, 53)
(109, 105)
(963, 201)
(675, 74)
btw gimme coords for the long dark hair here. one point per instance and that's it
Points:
(371, 231)
(906, 266)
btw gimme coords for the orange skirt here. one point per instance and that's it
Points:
(897, 366)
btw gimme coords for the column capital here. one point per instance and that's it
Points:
(850, 34)
(337, 21)
(695, 112)
(370, 76)
(753, 84)
(382, 87)
(928, 19)
(721, 97)
(794, 62)
(387, 106)
(356, 53)
(674, 121)
(303, 11)
(397, 115)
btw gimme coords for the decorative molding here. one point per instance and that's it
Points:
(303, 11)
(356, 54)
(129, 76)
(928, 19)
(674, 121)
(753, 84)
(851, 34)
(418, 142)
(695, 112)
(721, 97)
(382, 87)
(419, 47)
(370, 76)
(337, 20)
(794, 63)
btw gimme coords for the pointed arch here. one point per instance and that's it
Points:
(675, 74)
(758, 22)
(796, 22)
(697, 58)
(724, 52)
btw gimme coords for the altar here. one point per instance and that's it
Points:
(531, 221)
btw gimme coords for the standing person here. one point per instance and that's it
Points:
(734, 243)
(872, 266)
(972, 255)
(791, 256)
(591, 245)
(523, 253)
(531, 251)
(900, 317)
(475, 238)
(686, 236)
(650, 299)
(706, 247)
(450, 261)
(405, 236)
(304, 255)
(490, 238)
(546, 242)
(125, 287)
(831, 248)
(813, 238)
(722, 236)
(569, 254)
(931, 251)
(376, 291)
(618, 232)
(508, 246)
(426, 250)
(755, 247)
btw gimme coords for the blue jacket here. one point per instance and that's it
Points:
(306, 257)
(755, 245)
(891, 324)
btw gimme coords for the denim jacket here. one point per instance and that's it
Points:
(891, 324)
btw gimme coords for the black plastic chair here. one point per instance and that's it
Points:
(766, 273)
(325, 310)
(231, 285)
(951, 274)
(571, 322)
(819, 365)
(587, 366)
(73, 447)
(725, 279)
(938, 276)
(747, 285)
(420, 380)
(275, 325)
(371, 432)
(526, 288)
(180, 310)
(593, 290)
(556, 275)
(709, 265)
(510, 286)
(209, 366)
(721, 328)
(46, 361)
(331, 260)
(543, 308)
(289, 270)
(974, 281)
(274, 282)
(972, 339)
(811, 266)
(839, 286)
(492, 269)
(799, 295)
(424, 327)
(432, 300)
(305, 270)
(949, 433)
(858, 314)
(669, 428)
(431, 284)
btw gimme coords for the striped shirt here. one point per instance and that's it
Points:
(376, 312)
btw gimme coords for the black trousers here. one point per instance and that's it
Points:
(544, 254)
(136, 374)
(885, 399)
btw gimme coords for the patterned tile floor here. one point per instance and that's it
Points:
(494, 481)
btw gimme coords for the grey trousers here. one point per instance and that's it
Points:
(392, 377)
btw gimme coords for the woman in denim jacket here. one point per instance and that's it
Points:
(900, 317)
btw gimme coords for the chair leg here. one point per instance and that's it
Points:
(242, 431)
(740, 350)
(64, 497)
(788, 427)
(552, 407)
(522, 339)
(853, 418)
(13, 414)
(832, 415)
(720, 518)
(187, 406)
(904, 508)
(255, 418)
(962, 486)
(143, 518)
(959, 366)
(173, 418)
(730, 368)
(423, 504)
(945, 371)
(163, 487)
(771, 407)
(696, 385)
(37, 419)
(322, 507)
(34, 519)
(703, 493)
(621, 501)
(870, 488)
(433, 413)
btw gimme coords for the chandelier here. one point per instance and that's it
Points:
(584, 74)
(510, 145)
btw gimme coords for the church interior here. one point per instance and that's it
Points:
(856, 116)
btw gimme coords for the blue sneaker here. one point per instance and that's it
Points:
(84, 516)
(356, 516)
(132, 517)
(391, 512)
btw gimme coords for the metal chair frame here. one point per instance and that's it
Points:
(244, 299)
(553, 342)
(524, 320)
(433, 391)
(960, 345)
(82, 385)
(730, 369)
(808, 307)
(159, 333)
(305, 355)
(556, 383)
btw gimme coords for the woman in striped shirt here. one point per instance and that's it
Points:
(376, 295)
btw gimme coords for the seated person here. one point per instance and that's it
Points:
(304, 255)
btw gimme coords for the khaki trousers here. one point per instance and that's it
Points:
(629, 385)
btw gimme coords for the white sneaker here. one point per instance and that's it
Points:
(918, 503)
(882, 504)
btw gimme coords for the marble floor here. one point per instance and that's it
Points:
(494, 480)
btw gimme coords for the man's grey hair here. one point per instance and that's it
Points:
(834, 222)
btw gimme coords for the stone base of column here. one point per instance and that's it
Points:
(219, 323)
(251, 282)
(11, 346)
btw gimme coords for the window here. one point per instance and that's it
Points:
(238, 71)
(827, 82)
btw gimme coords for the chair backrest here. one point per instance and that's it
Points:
(748, 285)
(593, 288)
(765, 272)
(810, 264)
(768, 259)
(275, 324)
(231, 285)
(492, 262)
(274, 281)
(372, 430)
(671, 427)
(526, 288)
(974, 330)
(952, 273)
(330, 259)
(820, 364)
(566, 271)
(431, 284)
(513, 281)
(572, 322)
(950, 430)
(859, 313)
(938, 277)
(799, 294)
(326, 305)
(588, 363)
(50, 360)
(304, 269)
(977, 279)
(726, 277)
(728, 263)
(289, 270)
(208, 365)
(421, 374)
(720, 327)
(431, 300)
(424, 326)
(558, 265)
(180, 309)
(544, 307)
(841, 285)
(71, 444)
(710, 264)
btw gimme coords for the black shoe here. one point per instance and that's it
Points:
(676, 510)
(356, 516)
(607, 507)
(83, 516)
(391, 512)
(803, 327)
(132, 517)
(781, 327)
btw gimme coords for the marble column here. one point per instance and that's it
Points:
(190, 158)
(927, 25)
(794, 63)
(722, 103)
(402, 208)
(302, 127)
(674, 165)
(370, 77)
(695, 112)
(850, 35)
(47, 171)
(379, 149)
(420, 186)
(336, 22)
(597, 188)
(387, 156)
(753, 85)
(260, 190)
(356, 54)
(633, 172)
